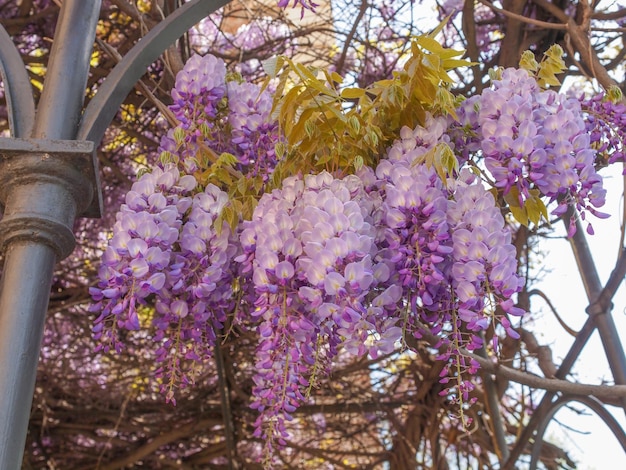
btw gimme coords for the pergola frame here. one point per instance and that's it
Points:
(49, 176)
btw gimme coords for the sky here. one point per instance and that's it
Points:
(589, 442)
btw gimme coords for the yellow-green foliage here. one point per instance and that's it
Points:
(532, 210)
(550, 66)
(330, 127)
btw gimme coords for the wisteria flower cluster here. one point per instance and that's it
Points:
(165, 246)
(197, 94)
(308, 251)
(167, 250)
(537, 139)
(448, 249)
(330, 263)
(254, 134)
(223, 115)
(606, 124)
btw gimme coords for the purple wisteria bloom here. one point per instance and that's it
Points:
(308, 250)
(220, 116)
(254, 134)
(533, 139)
(166, 252)
(606, 125)
(446, 251)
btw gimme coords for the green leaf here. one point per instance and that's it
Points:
(309, 128)
(179, 135)
(495, 73)
(358, 162)
(279, 149)
(614, 93)
(354, 125)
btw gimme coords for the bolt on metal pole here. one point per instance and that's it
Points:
(42, 189)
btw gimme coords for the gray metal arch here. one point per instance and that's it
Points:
(48, 177)
(102, 108)
(17, 88)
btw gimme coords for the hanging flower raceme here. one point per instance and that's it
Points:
(447, 249)
(199, 89)
(308, 250)
(223, 115)
(606, 124)
(135, 263)
(192, 308)
(166, 246)
(484, 270)
(254, 133)
(533, 139)
(169, 254)
(332, 265)
(413, 234)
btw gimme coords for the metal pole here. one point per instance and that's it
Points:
(45, 184)
(42, 192)
(121, 80)
(63, 94)
(17, 88)
(21, 326)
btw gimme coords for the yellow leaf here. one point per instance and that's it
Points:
(352, 93)
(519, 213)
(436, 48)
(273, 65)
(528, 62)
(453, 63)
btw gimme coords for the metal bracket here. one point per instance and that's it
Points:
(44, 185)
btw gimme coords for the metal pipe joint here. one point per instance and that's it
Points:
(44, 186)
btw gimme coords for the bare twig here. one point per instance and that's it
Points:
(541, 294)
(508, 14)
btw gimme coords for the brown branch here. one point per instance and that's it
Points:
(571, 331)
(348, 407)
(612, 15)
(347, 43)
(542, 24)
(602, 392)
(510, 52)
(492, 405)
(160, 440)
(541, 352)
(579, 40)
(469, 29)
